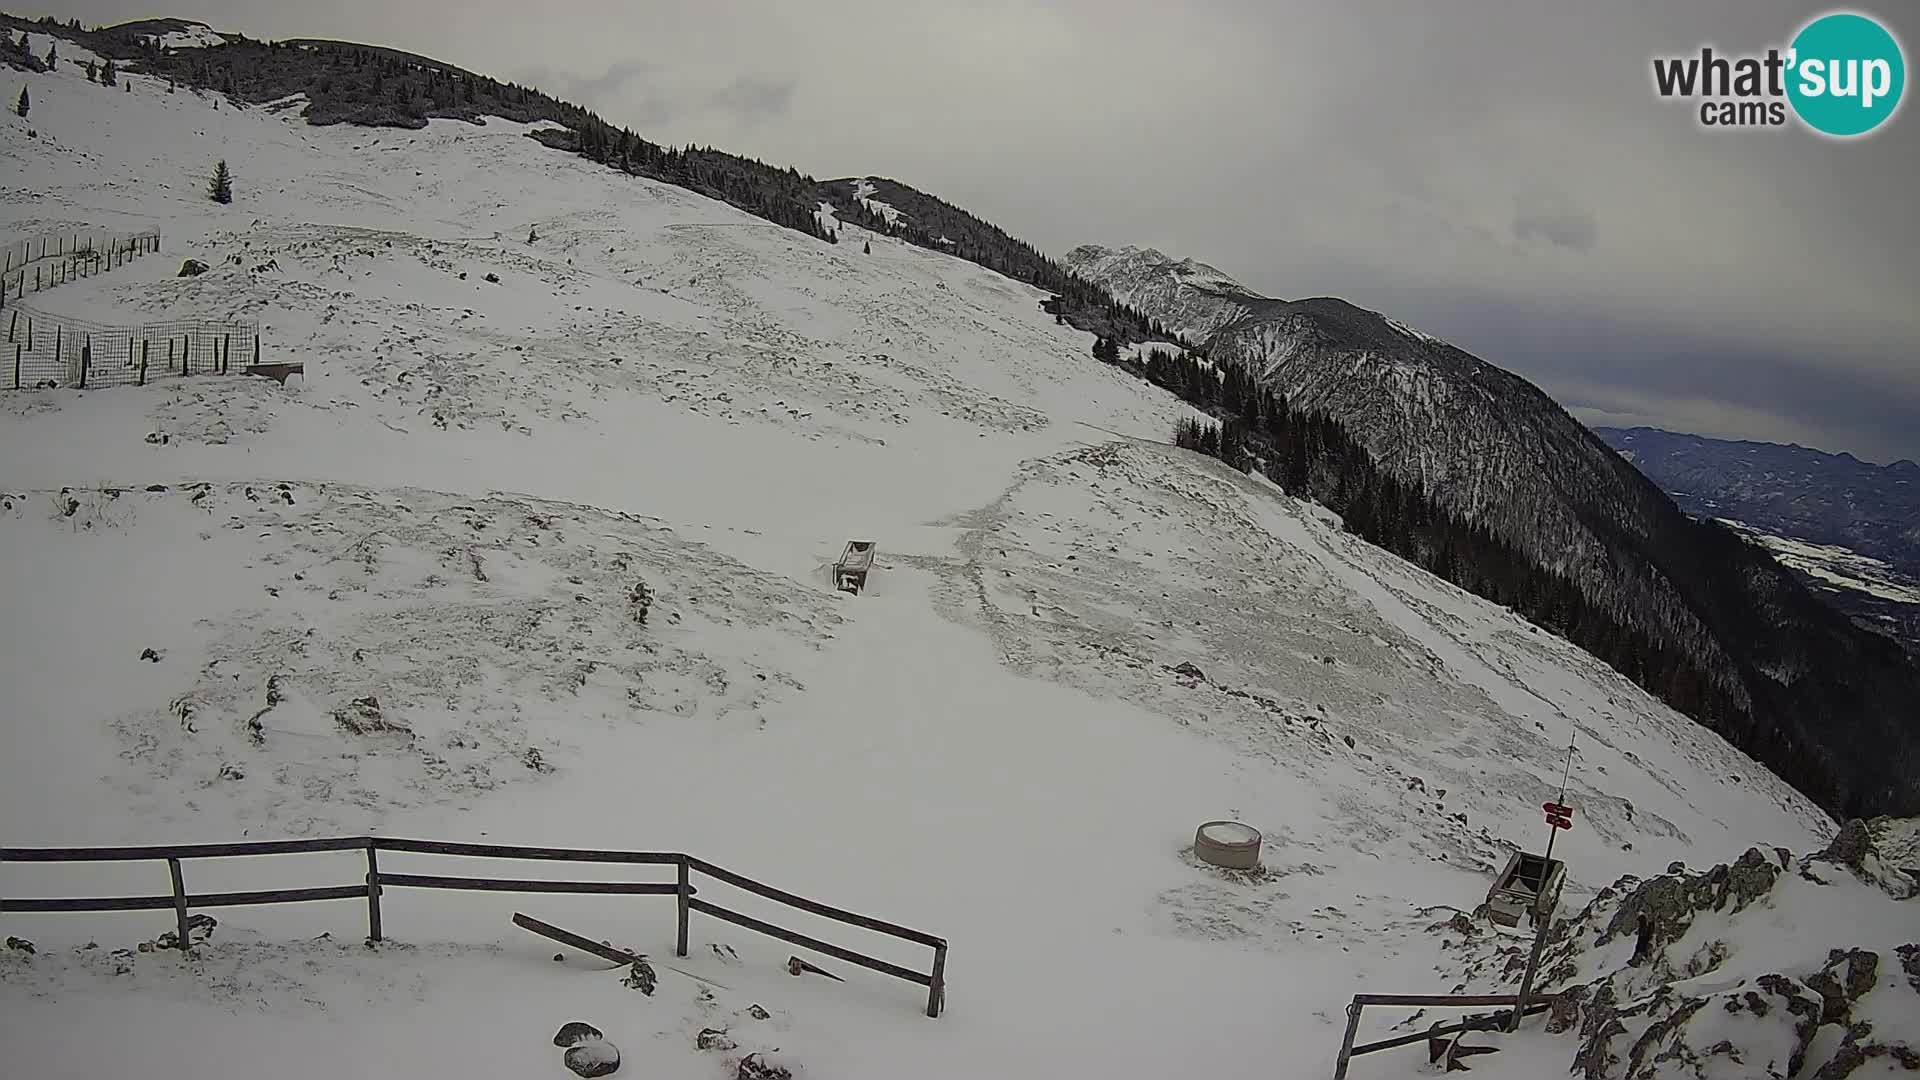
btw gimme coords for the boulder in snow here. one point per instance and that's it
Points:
(192, 268)
(594, 1057)
(574, 1032)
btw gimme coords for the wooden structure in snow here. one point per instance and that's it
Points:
(1528, 888)
(850, 573)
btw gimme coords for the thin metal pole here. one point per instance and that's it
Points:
(1545, 919)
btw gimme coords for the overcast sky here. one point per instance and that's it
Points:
(1497, 172)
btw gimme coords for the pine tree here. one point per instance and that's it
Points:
(866, 248)
(93, 73)
(23, 104)
(107, 74)
(221, 189)
(53, 54)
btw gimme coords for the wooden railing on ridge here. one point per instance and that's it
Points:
(376, 881)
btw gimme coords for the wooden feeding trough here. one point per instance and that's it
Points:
(850, 573)
(1528, 888)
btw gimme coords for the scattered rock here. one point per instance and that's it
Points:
(559, 958)
(150, 655)
(532, 760)
(641, 977)
(492, 279)
(1189, 670)
(754, 1067)
(192, 268)
(157, 438)
(754, 1010)
(595, 1057)
(21, 945)
(714, 1039)
(575, 1031)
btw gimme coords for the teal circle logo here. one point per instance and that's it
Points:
(1846, 74)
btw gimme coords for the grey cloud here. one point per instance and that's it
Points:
(753, 100)
(626, 90)
(1553, 219)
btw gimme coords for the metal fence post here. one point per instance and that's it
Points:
(179, 902)
(680, 943)
(373, 890)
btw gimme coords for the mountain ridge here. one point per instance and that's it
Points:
(1490, 446)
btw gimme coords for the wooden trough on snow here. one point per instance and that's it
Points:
(850, 573)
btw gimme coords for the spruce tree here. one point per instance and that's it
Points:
(107, 74)
(221, 189)
(93, 73)
(53, 55)
(21, 106)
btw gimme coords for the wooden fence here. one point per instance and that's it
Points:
(376, 881)
(1348, 1051)
(42, 262)
(55, 350)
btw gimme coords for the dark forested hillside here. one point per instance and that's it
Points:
(940, 226)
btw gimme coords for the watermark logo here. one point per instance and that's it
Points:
(1842, 75)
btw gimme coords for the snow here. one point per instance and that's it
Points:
(1226, 832)
(1835, 564)
(449, 513)
(863, 191)
(194, 36)
(1417, 335)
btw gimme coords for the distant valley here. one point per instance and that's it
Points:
(1850, 528)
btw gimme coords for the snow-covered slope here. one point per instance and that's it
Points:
(397, 595)
(1823, 702)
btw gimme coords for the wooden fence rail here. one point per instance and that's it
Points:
(1348, 1051)
(377, 881)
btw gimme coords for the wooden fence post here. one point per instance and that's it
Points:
(12, 323)
(373, 890)
(179, 902)
(16, 365)
(937, 990)
(226, 352)
(680, 943)
(183, 367)
(256, 348)
(1346, 1044)
(86, 360)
